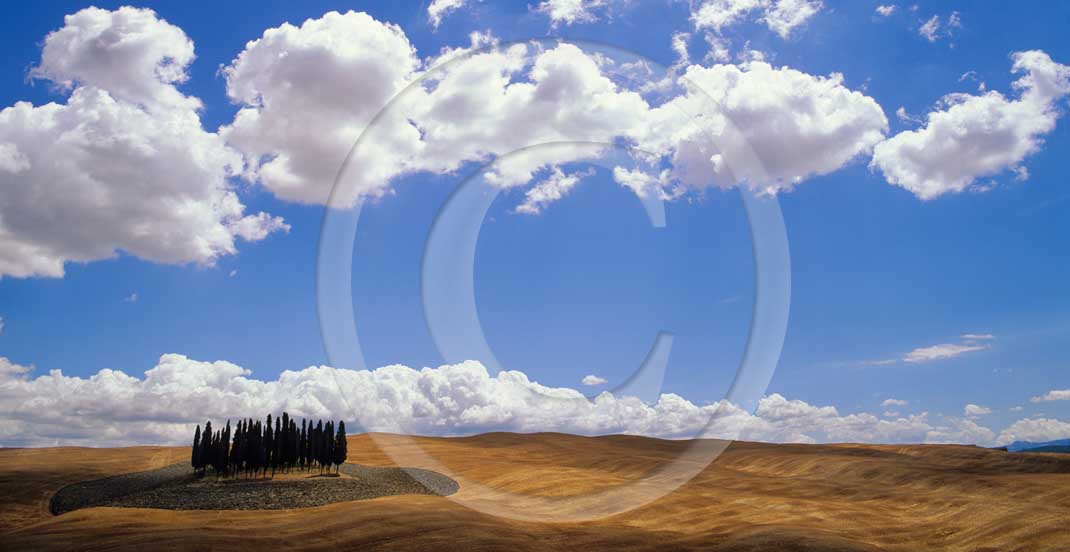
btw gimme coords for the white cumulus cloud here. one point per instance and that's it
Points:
(552, 188)
(894, 402)
(774, 128)
(977, 135)
(592, 380)
(438, 9)
(124, 164)
(886, 10)
(1035, 430)
(781, 16)
(786, 15)
(976, 410)
(308, 92)
(930, 29)
(1053, 395)
(570, 11)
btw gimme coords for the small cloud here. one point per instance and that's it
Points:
(1053, 395)
(885, 11)
(1, 325)
(132, 298)
(972, 342)
(679, 45)
(972, 76)
(439, 8)
(233, 273)
(930, 29)
(592, 380)
(894, 402)
(729, 300)
(891, 414)
(942, 351)
(976, 411)
(905, 117)
(1016, 409)
(933, 30)
(556, 186)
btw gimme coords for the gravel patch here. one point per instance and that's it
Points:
(177, 487)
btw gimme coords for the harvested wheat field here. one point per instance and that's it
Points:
(753, 497)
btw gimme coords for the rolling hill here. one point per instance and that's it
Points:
(755, 496)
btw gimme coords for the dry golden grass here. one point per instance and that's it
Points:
(754, 497)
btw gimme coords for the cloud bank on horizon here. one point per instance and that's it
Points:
(113, 408)
(127, 140)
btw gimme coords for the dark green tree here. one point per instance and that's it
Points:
(224, 450)
(328, 445)
(207, 458)
(276, 447)
(302, 444)
(285, 448)
(294, 438)
(340, 446)
(236, 450)
(317, 444)
(269, 444)
(195, 458)
(261, 447)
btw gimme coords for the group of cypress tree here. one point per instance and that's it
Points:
(256, 448)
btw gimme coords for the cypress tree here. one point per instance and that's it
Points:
(275, 446)
(340, 446)
(252, 438)
(269, 444)
(285, 440)
(293, 443)
(195, 458)
(317, 444)
(301, 444)
(207, 459)
(308, 447)
(224, 453)
(328, 445)
(235, 450)
(217, 452)
(261, 447)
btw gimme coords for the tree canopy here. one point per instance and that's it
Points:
(276, 445)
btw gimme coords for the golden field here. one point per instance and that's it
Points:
(753, 497)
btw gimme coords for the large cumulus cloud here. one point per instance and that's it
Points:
(308, 92)
(978, 135)
(124, 163)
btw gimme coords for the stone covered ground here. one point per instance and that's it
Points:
(178, 487)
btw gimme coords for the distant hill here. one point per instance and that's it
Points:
(1023, 446)
(1048, 448)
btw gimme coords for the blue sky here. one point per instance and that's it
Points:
(583, 287)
